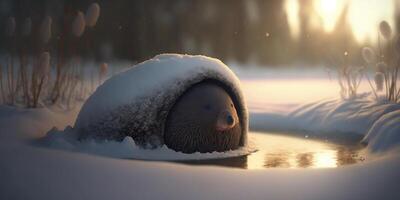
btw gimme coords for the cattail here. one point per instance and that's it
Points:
(397, 45)
(103, 69)
(379, 81)
(381, 67)
(368, 55)
(45, 29)
(102, 72)
(355, 72)
(10, 26)
(385, 29)
(78, 25)
(27, 27)
(92, 14)
(44, 63)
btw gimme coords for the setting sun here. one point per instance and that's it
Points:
(362, 16)
(292, 10)
(328, 10)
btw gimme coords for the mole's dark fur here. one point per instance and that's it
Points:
(191, 123)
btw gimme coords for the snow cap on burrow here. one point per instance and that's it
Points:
(147, 91)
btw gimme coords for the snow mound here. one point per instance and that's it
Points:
(21, 123)
(128, 149)
(376, 123)
(141, 97)
(385, 133)
(354, 116)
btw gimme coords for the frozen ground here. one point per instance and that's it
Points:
(279, 100)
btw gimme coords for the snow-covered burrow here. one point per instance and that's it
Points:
(137, 102)
(139, 98)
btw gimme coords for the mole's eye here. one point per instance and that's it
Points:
(231, 105)
(207, 107)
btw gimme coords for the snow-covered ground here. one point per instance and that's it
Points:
(280, 100)
(35, 173)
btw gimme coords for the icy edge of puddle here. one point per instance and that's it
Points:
(127, 149)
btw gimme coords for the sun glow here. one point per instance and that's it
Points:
(292, 10)
(362, 16)
(329, 11)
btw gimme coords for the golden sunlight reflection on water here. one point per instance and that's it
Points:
(291, 152)
(280, 151)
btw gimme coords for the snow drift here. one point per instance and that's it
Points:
(385, 132)
(359, 119)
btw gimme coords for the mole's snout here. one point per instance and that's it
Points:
(226, 120)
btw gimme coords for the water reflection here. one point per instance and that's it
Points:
(277, 151)
(280, 159)
(304, 160)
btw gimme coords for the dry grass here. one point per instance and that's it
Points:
(41, 79)
(385, 64)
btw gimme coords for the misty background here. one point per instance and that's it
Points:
(253, 31)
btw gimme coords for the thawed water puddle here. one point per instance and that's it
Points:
(280, 151)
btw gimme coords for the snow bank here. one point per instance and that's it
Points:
(128, 149)
(354, 119)
(385, 133)
(17, 123)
